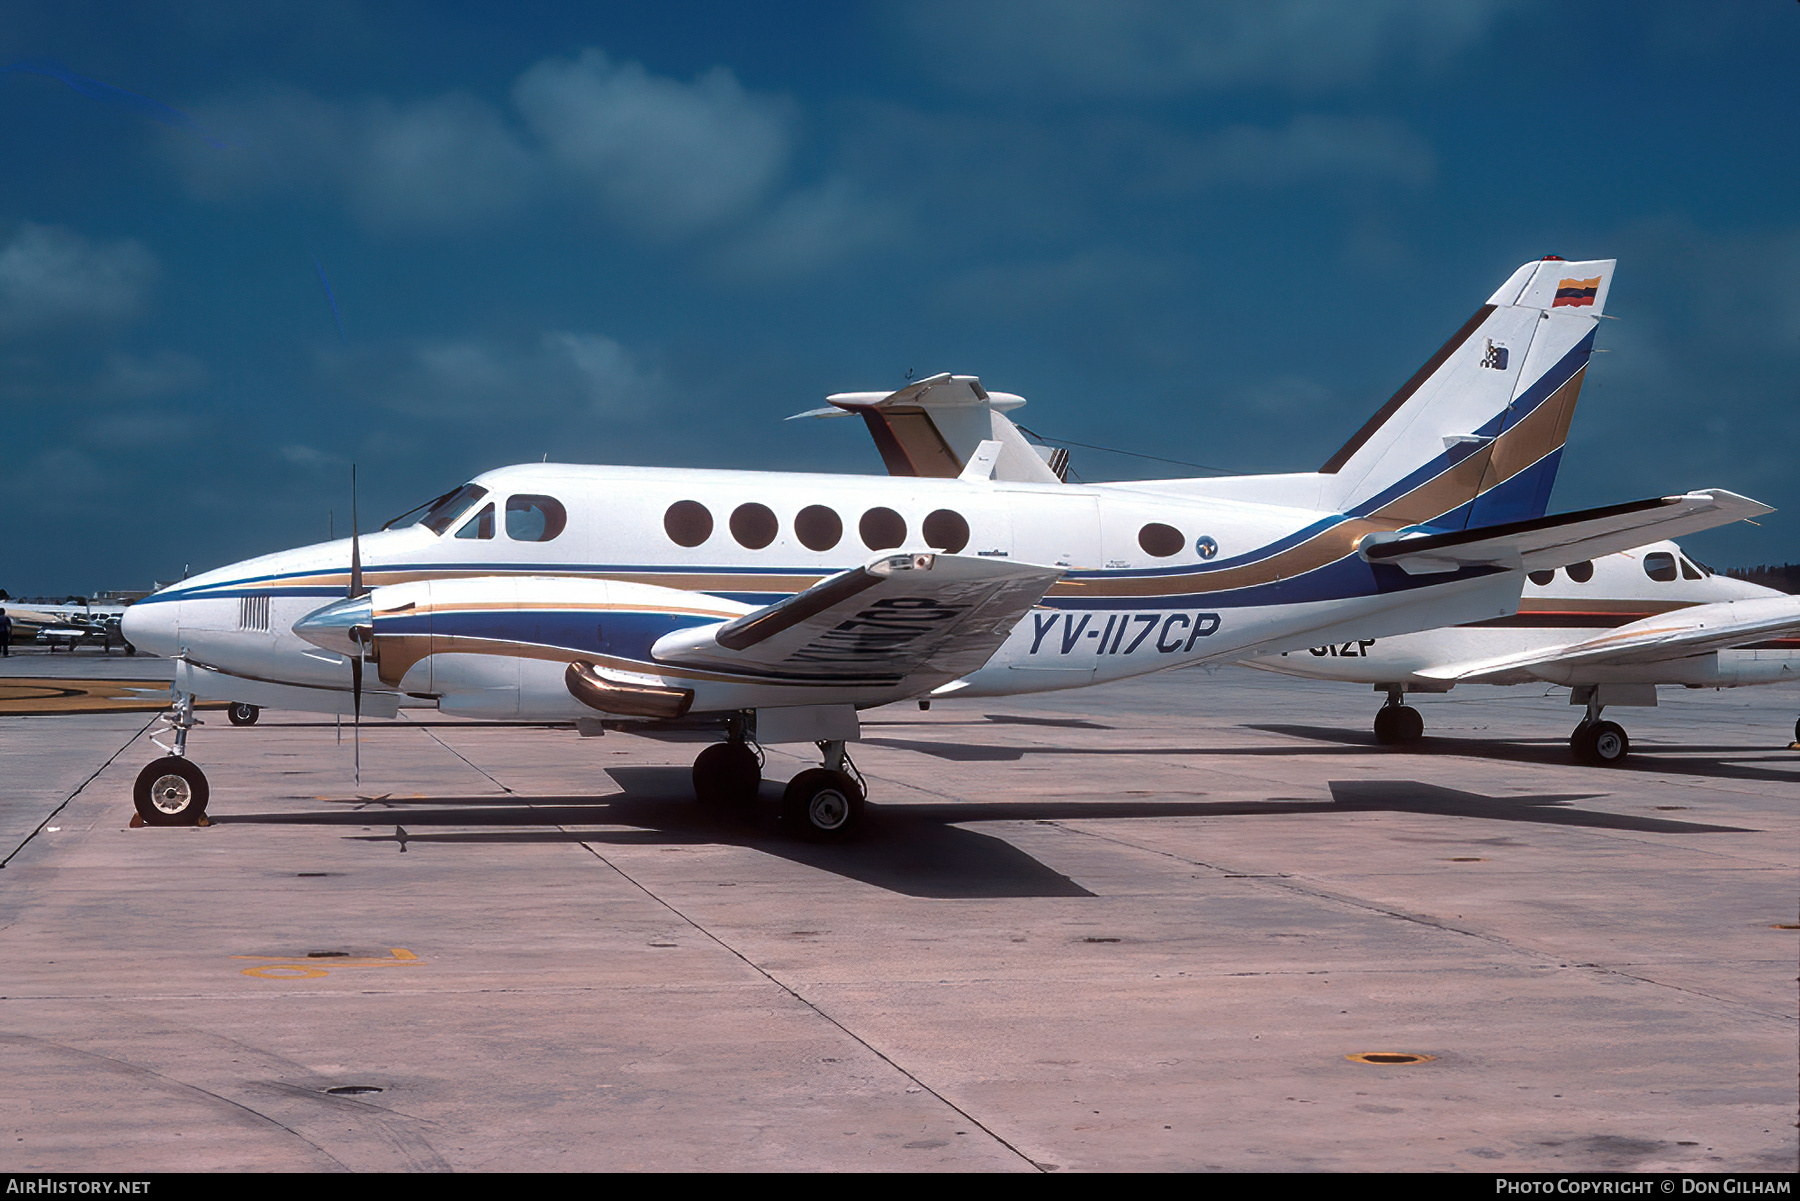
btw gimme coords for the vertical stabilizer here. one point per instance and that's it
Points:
(1475, 436)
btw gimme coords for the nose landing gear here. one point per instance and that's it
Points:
(241, 714)
(173, 791)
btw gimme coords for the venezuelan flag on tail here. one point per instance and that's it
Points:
(1475, 436)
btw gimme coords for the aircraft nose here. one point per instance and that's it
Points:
(342, 626)
(151, 626)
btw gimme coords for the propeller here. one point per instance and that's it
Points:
(356, 660)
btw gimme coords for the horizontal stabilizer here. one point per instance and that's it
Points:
(933, 427)
(1542, 543)
(925, 617)
(1681, 634)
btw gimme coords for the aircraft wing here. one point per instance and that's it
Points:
(1681, 634)
(1547, 542)
(902, 617)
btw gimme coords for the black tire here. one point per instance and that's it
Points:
(1607, 743)
(822, 805)
(241, 714)
(1398, 723)
(727, 775)
(1575, 740)
(1797, 731)
(170, 792)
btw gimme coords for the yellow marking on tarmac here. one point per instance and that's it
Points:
(285, 969)
(45, 696)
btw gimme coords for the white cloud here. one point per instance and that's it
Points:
(1312, 147)
(1154, 47)
(664, 156)
(476, 381)
(127, 376)
(813, 230)
(52, 277)
(431, 166)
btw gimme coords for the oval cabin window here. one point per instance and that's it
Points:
(946, 531)
(688, 523)
(1541, 578)
(818, 528)
(1161, 540)
(1581, 572)
(754, 525)
(534, 518)
(882, 529)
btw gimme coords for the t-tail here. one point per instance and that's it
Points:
(1474, 437)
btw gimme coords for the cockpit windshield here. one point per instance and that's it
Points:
(447, 508)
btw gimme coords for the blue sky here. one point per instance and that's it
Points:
(1217, 233)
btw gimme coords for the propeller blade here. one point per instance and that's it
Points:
(356, 580)
(356, 677)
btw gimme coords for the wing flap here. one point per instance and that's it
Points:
(1681, 634)
(1547, 542)
(927, 618)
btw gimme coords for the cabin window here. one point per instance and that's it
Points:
(882, 529)
(1581, 572)
(818, 528)
(448, 507)
(534, 518)
(946, 530)
(479, 526)
(1161, 540)
(754, 525)
(1541, 578)
(1659, 565)
(1689, 571)
(688, 523)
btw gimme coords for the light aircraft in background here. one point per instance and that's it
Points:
(772, 607)
(1612, 629)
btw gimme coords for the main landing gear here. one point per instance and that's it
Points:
(727, 774)
(172, 791)
(1397, 721)
(822, 804)
(1601, 743)
(241, 714)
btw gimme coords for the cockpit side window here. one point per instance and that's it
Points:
(534, 518)
(1689, 571)
(447, 508)
(479, 526)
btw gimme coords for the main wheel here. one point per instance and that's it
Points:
(170, 792)
(822, 805)
(1398, 723)
(1607, 743)
(241, 714)
(1602, 743)
(727, 774)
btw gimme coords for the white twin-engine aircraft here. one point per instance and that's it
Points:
(773, 606)
(1611, 630)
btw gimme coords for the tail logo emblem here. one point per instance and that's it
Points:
(1575, 292)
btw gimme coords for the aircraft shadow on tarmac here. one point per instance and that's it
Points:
(1707, 761)
(917, 850)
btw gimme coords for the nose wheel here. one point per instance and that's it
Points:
(171, 792)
